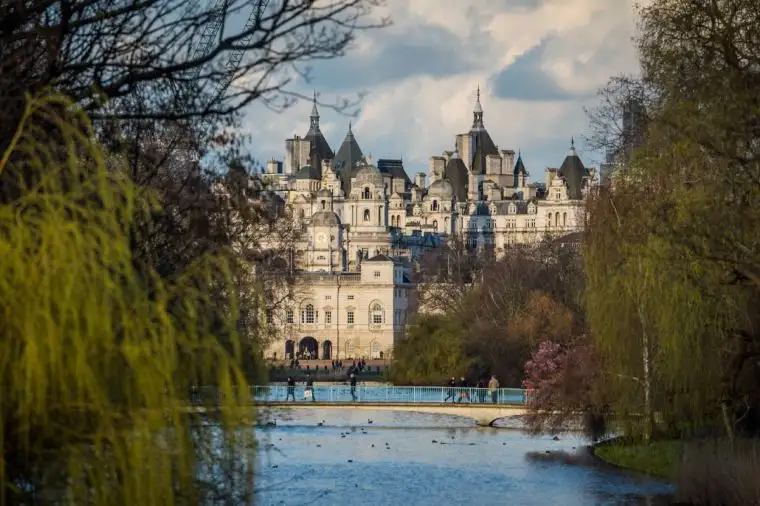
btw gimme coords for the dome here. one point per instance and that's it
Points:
(369, 174)
(325, 219)
(441, 189)
(324, 192)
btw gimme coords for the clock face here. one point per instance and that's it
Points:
(321, 238)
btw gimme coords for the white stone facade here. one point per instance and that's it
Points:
(364, 224)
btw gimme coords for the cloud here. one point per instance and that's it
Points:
(538, 62)
(526, 80)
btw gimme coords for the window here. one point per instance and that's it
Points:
(328, 297)
(328, 316)
(366, 215)
(324, 204)
(307, 314)
(301, 214)
(435, 224)
(289, 316)
(375, 348)
(564, 219)
(365, 194)
(350, 317)
(376, 274)
(435, 205)
(321, 257)
(377, 313)
(350, 297)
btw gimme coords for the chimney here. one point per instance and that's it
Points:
(419, 179)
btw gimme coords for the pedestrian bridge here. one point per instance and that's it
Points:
(480, 404)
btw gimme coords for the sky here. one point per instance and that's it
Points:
(537, 62)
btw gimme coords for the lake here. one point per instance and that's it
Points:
(395, 458)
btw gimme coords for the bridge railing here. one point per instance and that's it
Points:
(369, 394)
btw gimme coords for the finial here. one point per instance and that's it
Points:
(349, 127)
(572, 142)
(478, 92)
(314, 112)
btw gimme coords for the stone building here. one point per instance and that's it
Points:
(365, 223)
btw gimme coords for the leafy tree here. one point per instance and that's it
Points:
(95, 372)
(562, 381)
(430, 353)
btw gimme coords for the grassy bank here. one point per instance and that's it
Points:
(659, 458)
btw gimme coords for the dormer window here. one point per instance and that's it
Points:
(324, 205)
(532, 208)
(435, 205)
(366, 193)
(512, 209)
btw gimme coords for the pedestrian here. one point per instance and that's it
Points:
(493, 389)
(481, 386)
(451, 390)
(291, 389)
(309, 390)
(353, 386)
(463, 393)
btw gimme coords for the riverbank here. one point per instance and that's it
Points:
(658, 458)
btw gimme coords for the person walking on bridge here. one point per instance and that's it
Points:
(309, 388)
(353, 386)
(450, 394)
(493, 388)
(291, 389)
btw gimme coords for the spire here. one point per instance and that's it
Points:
(477, 112)
(314, 112)
(572, 151)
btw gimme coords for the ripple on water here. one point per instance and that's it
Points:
(421, 459)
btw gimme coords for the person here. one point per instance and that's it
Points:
(291, 389)
(353, 386)
(450, 393)
(493, 389)
(309, 388)
(481, 386)
(463, 393)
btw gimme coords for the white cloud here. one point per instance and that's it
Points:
(418, 116)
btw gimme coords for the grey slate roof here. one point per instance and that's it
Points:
(456, 173)
(573, 171)
(395, 169)
(320, 149)
(308, 172)
(345, 160)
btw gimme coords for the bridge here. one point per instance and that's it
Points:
(480, 404)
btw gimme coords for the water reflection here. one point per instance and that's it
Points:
(320, 456)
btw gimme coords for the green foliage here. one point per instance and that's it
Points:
(96, 361)
(430, 353)
(661, 458)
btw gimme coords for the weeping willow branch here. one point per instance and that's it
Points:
(95, 360)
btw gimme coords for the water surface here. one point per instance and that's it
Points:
(395, 458)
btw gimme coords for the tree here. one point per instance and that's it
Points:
(563, 381)
(430, 352)
(95, 371)
(684, 207)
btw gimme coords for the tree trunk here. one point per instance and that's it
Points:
(647, 381)
(727, 423)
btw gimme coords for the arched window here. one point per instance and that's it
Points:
(307, 314)
(366, 215)
(556, 219)
(324, 205)
(376, 313)
(301, 214)
(366, 193)
(564, 219)
(435, 205)
(435, 224)
(289, 316)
